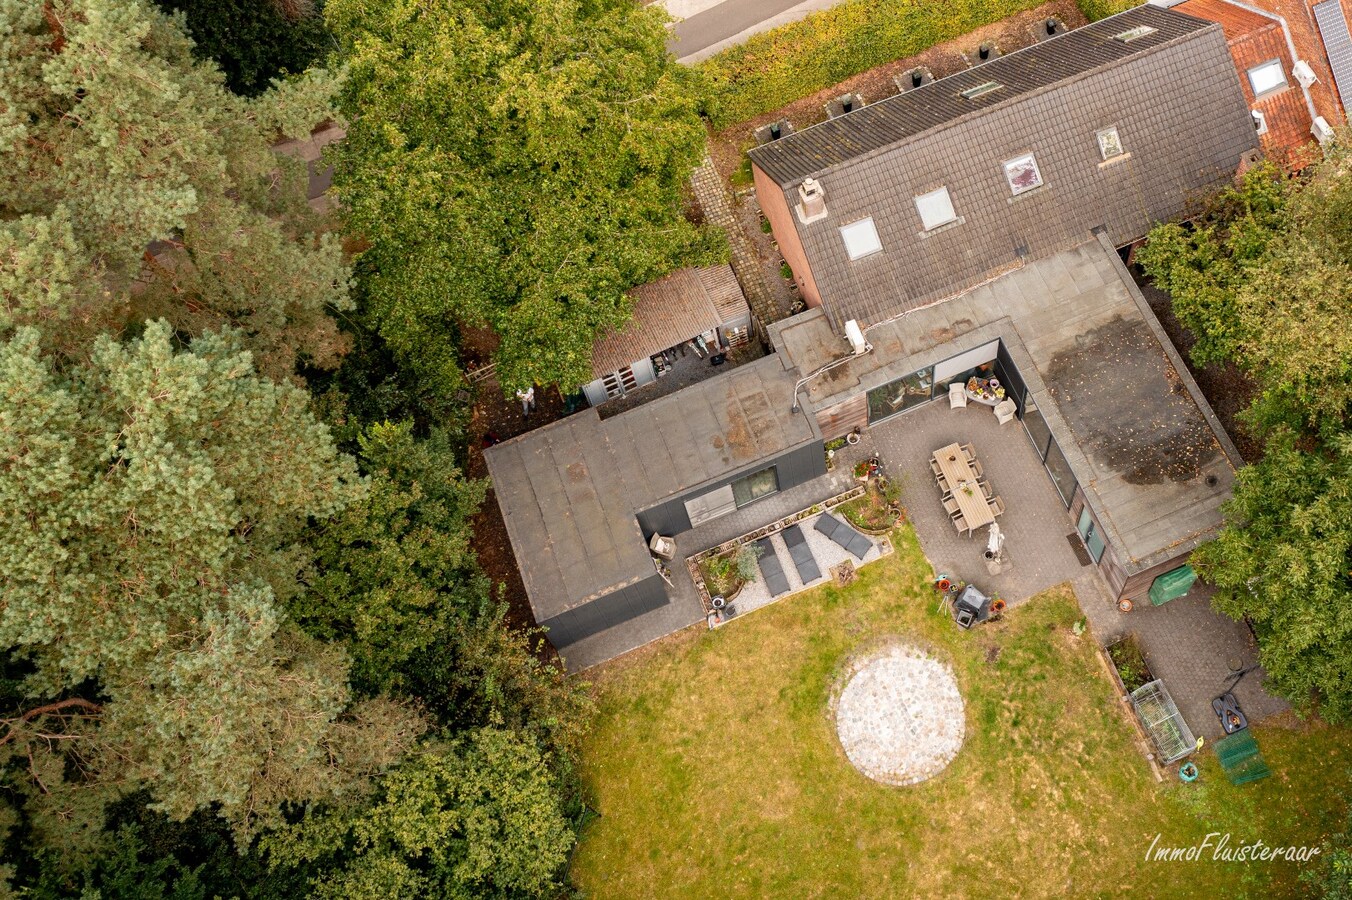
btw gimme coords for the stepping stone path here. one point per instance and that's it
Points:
(900, 716)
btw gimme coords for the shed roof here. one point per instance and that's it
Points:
(668, 311)
(570, 491)
(877, 126)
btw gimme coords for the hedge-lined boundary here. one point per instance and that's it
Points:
(1101, 9)
(779, 66)
(776, 67)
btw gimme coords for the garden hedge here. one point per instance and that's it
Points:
(776, 67)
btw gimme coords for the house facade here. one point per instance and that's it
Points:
(969, 225)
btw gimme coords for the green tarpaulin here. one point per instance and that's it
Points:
(1172, 585)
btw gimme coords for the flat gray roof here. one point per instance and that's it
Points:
(570, 491)
(1144, 446)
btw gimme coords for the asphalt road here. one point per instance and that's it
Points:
(732, 21)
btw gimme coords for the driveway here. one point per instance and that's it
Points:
(705, 27)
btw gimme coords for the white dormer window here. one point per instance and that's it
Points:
(861, 238)
(1022, 174)
(1267, 78)
(935, 208)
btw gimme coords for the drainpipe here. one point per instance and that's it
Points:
(1290, 46)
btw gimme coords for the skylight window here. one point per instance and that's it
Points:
(1267, 78)
(1110, 144)
(1022, 174)
(1133, 34)
(861, 238)
(935, 208)
(981, 89)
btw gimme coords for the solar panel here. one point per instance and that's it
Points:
(1338, 43)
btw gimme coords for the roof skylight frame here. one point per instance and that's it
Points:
(981, 89)
(1134, 34)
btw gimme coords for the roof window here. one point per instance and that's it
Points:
(1132, 34)
(981, 89)
(935, 208)
(1266, 78)
(861, 238)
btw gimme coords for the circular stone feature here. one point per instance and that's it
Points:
(900, 716)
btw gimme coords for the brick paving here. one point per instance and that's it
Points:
(1035, 524)
(1187, 645)
(713, 198)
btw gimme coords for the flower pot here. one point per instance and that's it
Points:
(851, 438)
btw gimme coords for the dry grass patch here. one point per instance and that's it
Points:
(717, 771)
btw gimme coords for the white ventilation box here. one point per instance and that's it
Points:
(1259, 121)
(855, 335)
(1321, 130)
(1304, 74)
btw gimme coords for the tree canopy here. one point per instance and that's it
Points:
(516, 165)
(152, 499)
(254, 41)
(1264, 280)
(142, 188)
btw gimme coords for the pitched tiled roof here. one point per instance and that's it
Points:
(879, 125)
(673, 309)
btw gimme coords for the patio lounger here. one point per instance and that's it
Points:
(843, 535)
(801, 554)
(771, 570)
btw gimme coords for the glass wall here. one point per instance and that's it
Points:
(1059, 469)
(752, 487)
(904, 393)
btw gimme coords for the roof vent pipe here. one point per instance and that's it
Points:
(984, 51)
(1052, 25)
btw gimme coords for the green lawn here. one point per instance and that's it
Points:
(716, 770)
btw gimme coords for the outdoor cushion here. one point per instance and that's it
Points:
(843, 535)
(801, 554)
(775, 579)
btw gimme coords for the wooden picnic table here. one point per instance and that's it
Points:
(953, 463)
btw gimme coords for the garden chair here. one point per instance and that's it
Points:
(960, 524)
(951, 507)
(997, 505)
(934, 467)
(1005, 410)
(943, 484)
(986, 489)
(957, 395)
(976, 467)
(969, 452)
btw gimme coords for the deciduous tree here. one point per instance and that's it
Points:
(515, 164)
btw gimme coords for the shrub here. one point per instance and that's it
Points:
(781, 65)
(746, 562)
(1101, 9)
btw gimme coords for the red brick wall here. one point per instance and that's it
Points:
(776, 209)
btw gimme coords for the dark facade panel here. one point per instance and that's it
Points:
(606, 612)
(796, 467)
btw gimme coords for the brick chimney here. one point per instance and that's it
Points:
(811, 201)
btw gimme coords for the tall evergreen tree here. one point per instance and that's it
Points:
(152, 500)
(113, 138)
(516, 165)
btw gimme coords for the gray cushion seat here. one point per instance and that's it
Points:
(770, 567)
(801, 554)
(843, 535)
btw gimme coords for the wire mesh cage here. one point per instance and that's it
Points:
(1163, 721)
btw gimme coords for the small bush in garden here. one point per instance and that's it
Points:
(746, 562)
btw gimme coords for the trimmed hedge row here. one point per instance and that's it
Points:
(1101, 9)
(779, 66)
(776, 67)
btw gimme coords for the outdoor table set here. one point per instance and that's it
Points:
(967, 497)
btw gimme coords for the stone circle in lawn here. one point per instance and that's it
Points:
(900, 715)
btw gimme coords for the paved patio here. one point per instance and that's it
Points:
(1187, 645)
(1037, 553)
